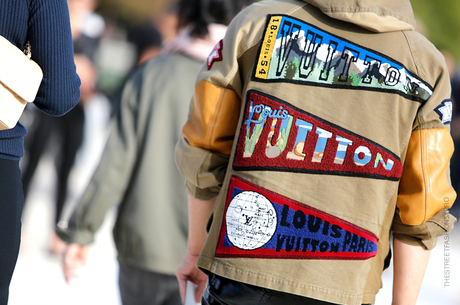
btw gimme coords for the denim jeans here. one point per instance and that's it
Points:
(222, 291)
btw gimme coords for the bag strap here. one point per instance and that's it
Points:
(28, 50)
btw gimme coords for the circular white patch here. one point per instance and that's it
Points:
(251, 220)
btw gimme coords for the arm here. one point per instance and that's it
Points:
(51, 40)
(202, 155)
(409, 269)
(199, 212)
(425, 193)
(114, 171)
(202, 158)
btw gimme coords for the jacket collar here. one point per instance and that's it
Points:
(374, 15)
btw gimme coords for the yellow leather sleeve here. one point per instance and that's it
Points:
(425, 187)
(214, 117)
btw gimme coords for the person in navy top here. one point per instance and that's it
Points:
(46, 25)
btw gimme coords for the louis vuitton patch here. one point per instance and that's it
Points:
(297, 52)
(262, 224)
(277, 136)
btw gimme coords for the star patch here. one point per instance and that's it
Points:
(216, 54)
(445, 111)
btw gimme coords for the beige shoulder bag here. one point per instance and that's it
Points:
(20, 78)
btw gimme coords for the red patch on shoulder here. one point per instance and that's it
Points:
(215, 55)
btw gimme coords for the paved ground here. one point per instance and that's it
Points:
(38, 277)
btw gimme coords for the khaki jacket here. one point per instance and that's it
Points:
(321, 126)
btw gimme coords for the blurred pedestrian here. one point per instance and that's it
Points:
(137, 169)
(46, 25)
(167, 22)
(148, 41)
(87, 27)
(64, 136)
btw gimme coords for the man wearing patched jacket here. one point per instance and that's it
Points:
(317, 130)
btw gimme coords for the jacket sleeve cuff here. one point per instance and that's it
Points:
(202, 194)
(79, 237)
(203, 170)
(426, 233)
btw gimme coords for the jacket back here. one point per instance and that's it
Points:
(328, 112)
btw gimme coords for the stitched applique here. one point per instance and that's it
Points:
(297, 52)
(215, 55)
(445, 111)
(277, 136)
(262, 224)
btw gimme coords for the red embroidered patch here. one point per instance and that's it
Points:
(280, 137)
(263, 224)
(215, 55)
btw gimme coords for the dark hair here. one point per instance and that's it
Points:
(145, 36)
(201, 13)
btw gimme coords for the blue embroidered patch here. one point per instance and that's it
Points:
(262, 224)
(297, 52)
(445, 111)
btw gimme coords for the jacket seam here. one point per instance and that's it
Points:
(364, 10)
(418, 68)
(317, 288)
(198, 166)
(412, 52)
(424, 169)
(214, 118)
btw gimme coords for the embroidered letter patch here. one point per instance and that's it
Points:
(295, 51)
(262, 224)
(279, 137)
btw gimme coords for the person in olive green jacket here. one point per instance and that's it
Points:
(137, 168)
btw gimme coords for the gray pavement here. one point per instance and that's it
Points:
(38, 277)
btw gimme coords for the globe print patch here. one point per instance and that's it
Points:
(251, 220)
(259, 223)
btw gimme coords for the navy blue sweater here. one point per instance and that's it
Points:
(45, 23)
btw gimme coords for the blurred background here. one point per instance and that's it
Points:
(117, 36)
